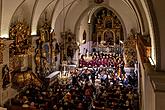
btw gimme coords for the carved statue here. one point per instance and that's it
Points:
(42, 34)
(99, 21)
(2, 45)
(5, 76)
(20, 33)
(103, 14)
(37, 57)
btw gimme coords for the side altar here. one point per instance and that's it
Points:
(25, 59)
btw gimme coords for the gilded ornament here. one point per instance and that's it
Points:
(1, 57)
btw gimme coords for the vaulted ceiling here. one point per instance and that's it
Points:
(69, 14)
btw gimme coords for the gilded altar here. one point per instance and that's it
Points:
(20, 56)
(46, 51)
(20, 50)
(130, 53)
(2, 45)
(108, 28)
(68, 45)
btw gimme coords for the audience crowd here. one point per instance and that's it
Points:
(97, 84)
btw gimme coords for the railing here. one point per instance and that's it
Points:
(152, 83)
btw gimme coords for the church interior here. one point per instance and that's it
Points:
(82, 55)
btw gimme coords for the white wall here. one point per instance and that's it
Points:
(160, 15)
(160, 99)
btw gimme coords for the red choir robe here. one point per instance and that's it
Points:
(105, 61)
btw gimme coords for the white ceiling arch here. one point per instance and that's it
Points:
(59, 16)
(61, 9)
(39, 9)
(126, 14)
(7, 14)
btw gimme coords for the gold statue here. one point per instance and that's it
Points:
(42, 35)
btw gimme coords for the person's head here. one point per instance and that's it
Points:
(55, 107)
(41, 108)
(32, 104)
(80, 105)
(82, 56)
(61, 108)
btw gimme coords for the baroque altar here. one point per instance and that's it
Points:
(20, 55)
(108, 30)
(130, 53)
(46, 52)
(68, 46)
